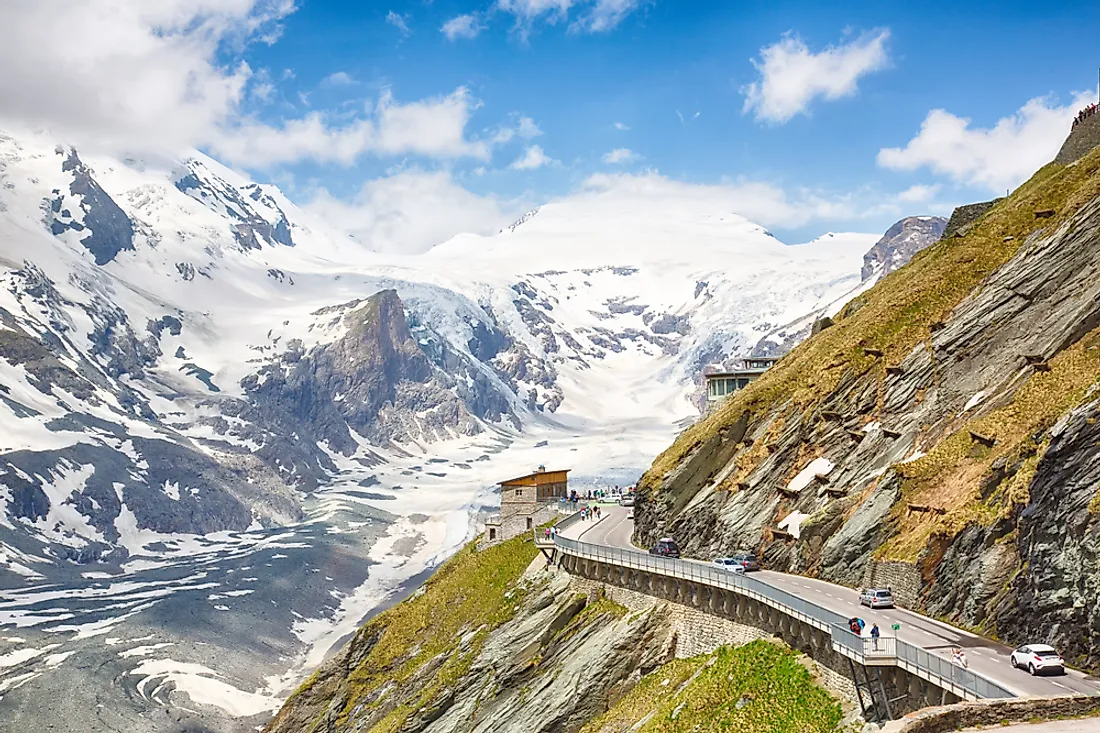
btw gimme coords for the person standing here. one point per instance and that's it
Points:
(875, 633)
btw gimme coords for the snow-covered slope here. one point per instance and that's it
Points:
(194, 370)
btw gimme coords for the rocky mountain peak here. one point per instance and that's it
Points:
(900, 242)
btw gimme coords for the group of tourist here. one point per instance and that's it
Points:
(1084, 114)
(591, 512)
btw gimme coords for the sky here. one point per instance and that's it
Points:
(406, 122)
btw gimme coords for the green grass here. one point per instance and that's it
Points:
(761, 687)
(894, 316)
(471, 594)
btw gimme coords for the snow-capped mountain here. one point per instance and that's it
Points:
(197, 376)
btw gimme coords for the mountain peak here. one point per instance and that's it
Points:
(900, 242)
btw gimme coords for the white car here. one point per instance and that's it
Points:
(732, 564)
(1037, 659)
(630, 514)
(627, 500)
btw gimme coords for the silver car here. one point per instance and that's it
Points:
(876, 598)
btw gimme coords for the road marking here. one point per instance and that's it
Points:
(1059, 684)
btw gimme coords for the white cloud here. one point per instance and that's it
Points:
(462, 26)
(764, 203)
(161, 77)
(919, 193)
(621, 155)
(412, 211)
(533, 157)
(130, 72)
(792, 76)
(596, 16)
(995, 158)
(606, 15)
(622, 126)
(524, 127)
(400, 22)
(338, 79)
(432, 127)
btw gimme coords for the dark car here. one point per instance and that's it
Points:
(747, 561)
(666, 547)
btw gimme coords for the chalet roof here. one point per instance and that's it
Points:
(533, 474)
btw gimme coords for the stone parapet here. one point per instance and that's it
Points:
(994, 713)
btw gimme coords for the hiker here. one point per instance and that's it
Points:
(958, 657)
(853, 625)
(874, 636)
(547, 533)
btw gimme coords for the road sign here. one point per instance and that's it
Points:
(895, 627)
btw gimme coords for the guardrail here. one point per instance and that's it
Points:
(912, 658)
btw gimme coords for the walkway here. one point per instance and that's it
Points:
(985, 657)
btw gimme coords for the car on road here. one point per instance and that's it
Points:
(876, 598)
(627, 500)
(732, 564)
(665, 547)
(747, 560)
(1038, 659)
(630, 513)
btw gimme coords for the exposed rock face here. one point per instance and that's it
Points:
(551, 669)
(999, 518)
(371, 380)
(106, 228)
(900, 242)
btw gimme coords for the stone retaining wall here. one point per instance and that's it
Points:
(1082, 139)
(698, 632)
(902, 578)
(963, 217)
(994, 713)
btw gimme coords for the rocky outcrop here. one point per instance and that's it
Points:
(376, 381)
(105, 228)
(952, 412)
(900, 242)
(556, 662)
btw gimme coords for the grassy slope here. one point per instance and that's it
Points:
(757, 688)
(472, 593)
(894, 316)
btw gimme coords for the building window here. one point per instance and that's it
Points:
(519, 492)
(492, 534)
(530, 523)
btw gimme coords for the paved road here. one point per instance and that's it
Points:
(985, 657)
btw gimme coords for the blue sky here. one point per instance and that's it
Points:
(380, 114)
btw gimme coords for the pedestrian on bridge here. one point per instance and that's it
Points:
(875, 633)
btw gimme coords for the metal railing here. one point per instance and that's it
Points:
(868, 647)
(911, 657)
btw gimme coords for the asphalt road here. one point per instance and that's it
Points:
(984, 656)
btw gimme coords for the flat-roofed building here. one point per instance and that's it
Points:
(721, 385)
